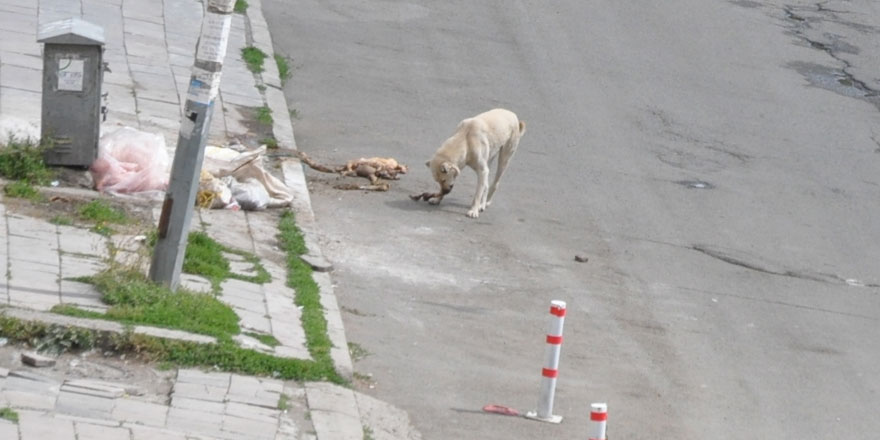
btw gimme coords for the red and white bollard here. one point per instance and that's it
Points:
(551, 366)
(598, 418)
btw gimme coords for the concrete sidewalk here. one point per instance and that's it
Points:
(149, 48)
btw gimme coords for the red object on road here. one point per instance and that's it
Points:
(503, 410)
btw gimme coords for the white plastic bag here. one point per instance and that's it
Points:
(131, 161)
(250, 194)
(222, 162)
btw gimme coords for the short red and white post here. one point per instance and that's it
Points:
(598, 418)
(551, 366)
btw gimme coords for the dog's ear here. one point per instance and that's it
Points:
(454, 170)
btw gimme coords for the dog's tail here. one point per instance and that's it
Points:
(522, 127)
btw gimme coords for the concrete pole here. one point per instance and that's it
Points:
(180, 198)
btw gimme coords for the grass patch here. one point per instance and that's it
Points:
(225, 355)
(299, 278)
(204, 256)
(61, 220)
(283, 68)
(357, 352)
(100, 211)
(264, 339)
(271, 143)
(254, 58)
(264, 115)
(294, 113)
(368, 433)
(133, 299)
(241, 6)
(24, 161)
(283, 402)
(9, 414)
(22, 190)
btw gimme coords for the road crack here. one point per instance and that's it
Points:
(739, 261)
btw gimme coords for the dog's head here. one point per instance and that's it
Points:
(444, 173)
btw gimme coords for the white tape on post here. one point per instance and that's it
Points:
(598, 418)
(551, 366)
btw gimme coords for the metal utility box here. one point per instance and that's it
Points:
(72, 73)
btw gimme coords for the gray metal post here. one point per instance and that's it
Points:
(180, 198)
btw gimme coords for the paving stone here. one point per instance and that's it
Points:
(8, 430)
(36, 360)
(255, 429)
(89, 420)
(93, 390)
(144, 413)
(253, 412)
(26, 374)
(250, 343)
(253, 391)
(254, 304)
(174, 334)
(199, 391)
(42, 387)
(87, 431)
(81, 294)
(192, 421)
(73, 266)
(333, 411)
(35, 426)
(74, 240)
(196, 283)
(82, 405)
(146, 433)
(254, 321)
(245, 268)
(191, 376)
(198, 405)
(26, 399)
(112, 387)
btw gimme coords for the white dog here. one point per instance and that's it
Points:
(476, 142)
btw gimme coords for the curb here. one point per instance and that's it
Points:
(294, 177)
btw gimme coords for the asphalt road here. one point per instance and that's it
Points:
(717, 161)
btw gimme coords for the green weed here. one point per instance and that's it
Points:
(264, 115)
(283, 68)
(100, 211)
(241, 6)
(264, 339)
(299, 278)
(204, 256)
(254, 58)
(357, 351)
(61, 220)
(271, 143)
(24, 161)
(283, 402)
(136, 300)
(22, 190)
(9, 414)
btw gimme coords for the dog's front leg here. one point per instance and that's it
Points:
(482, 188)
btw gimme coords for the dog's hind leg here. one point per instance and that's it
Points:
(504, 157)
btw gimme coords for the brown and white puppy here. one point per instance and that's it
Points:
(476, 142)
